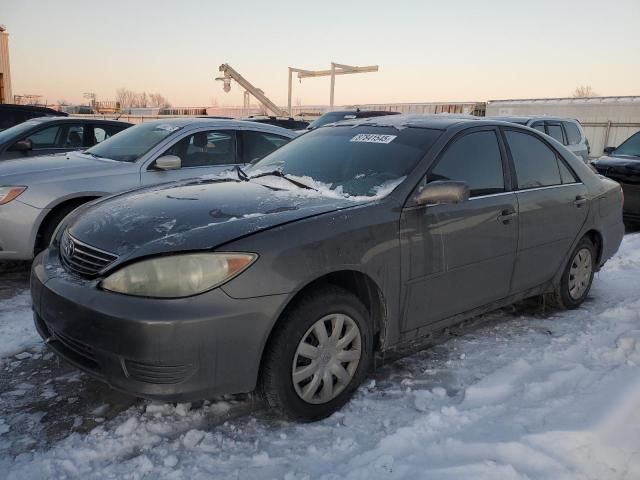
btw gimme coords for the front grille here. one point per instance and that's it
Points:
(83, 259)
(158, 373)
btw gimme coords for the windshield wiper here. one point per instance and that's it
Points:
(278, 173)
(241, 174)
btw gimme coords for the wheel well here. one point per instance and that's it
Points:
(54, 214)
(596, 239)
(359, 284)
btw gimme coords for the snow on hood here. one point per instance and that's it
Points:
(195, 215)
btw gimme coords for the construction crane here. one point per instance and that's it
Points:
(230, 74)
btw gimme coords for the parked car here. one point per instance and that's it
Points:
(622, 164)
(11, 115)
(48, 135)
(339, 115)
(290, 275)
(567, 131)
(37, 193)
(289, 123)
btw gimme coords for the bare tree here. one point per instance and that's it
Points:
(158, 100)
(125, 97)
(584, 91)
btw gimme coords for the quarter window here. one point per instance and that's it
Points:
(474, 159)
(573, 133)
(535, 163)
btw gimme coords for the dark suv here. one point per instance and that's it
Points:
(11, 115)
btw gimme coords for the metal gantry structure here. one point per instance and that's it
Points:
(336, 69)
(228, 74)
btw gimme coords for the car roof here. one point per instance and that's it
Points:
(33, 108)
(222, 122)
(102, 121)
(441, 121)
(527, 118)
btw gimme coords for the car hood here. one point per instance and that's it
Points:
(619, 167)
(195, 215)
(52, 167)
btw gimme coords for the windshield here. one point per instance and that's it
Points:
(130, 144)
(348, 161)
(631, 146)
(330, 117)
(17, 130)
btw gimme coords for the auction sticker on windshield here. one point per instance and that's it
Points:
(373, 138)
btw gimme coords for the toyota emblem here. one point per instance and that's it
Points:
(69, 247)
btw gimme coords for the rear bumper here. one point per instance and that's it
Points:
(173, 350)
(18, 228)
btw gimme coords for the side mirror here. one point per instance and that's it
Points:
(609, 150)
(436, 193)
(168, 162)
(22, 146)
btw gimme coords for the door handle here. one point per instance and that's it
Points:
(580, 201)
(506, 216)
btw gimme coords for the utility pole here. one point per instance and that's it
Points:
(336, 69)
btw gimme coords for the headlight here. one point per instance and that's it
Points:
(10, 193)
(179, 275)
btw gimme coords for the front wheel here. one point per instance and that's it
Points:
(577, 277)
(318, 356)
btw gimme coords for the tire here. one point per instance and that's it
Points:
(285, 355)
(51, 223)
(577, 276)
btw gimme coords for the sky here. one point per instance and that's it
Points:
(458, 50)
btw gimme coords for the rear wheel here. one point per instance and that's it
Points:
(319, 355)
(577, 277)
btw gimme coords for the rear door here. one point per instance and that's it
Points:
(553, 206)
(257, 145)
(457, 257)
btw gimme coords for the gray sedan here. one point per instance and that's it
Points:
(352, 239)
(37, 193)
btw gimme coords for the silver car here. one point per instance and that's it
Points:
(567, 131)
(37, 193)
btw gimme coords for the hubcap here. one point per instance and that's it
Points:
(326, 359)
(580, 273)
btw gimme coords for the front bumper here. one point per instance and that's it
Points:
(18, 227)
(172, 350)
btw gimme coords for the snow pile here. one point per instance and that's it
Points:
(542, 395)
(17, 332)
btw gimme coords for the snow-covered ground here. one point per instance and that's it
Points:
(531, 394)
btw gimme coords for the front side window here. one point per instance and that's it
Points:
(346, 161)
(539, 126)
(73, 136)
(205, 149)
(535, 163)
(573, 133)
(474, 159)
(257, 145)
(554, 130)
(45, 138)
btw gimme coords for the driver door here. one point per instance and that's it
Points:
(457, 257)
(205, 152)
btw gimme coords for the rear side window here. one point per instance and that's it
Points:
(535, 163)
(257, 145)
(539, 127)
(474, 159)
(573, 133)
(555, 130)
(73, 136)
